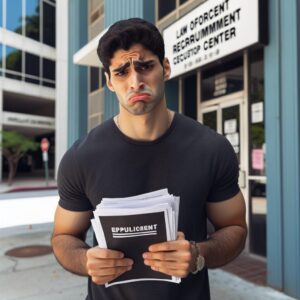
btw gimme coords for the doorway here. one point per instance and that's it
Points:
(228, 116)
(224, 116)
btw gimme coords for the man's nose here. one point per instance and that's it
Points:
(136, 81)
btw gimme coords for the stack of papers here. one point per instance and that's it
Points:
(132, 224)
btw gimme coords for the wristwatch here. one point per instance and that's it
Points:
(199, 261)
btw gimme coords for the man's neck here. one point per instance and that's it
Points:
(147, 127)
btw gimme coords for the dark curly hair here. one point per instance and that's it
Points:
(124, 34)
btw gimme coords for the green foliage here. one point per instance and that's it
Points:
(14, 60)
(13, 146)
(258, 135)
(32, 25)
(14, 143)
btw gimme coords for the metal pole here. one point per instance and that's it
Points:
(46, 173)
(45, 159)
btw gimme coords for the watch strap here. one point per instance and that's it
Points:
(199, 259)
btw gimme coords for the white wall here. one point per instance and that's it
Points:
(25, 88)
(61, 109)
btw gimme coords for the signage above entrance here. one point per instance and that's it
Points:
(211, 31)
(26, 120)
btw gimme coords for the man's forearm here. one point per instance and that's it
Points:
(70, 252)
(223, 246)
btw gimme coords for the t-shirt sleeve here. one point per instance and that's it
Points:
(225, 172)
(70, 185)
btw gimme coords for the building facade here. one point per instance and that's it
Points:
(27, 77)
(236, 69)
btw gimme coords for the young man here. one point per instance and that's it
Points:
(144, 148)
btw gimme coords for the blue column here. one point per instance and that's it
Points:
(282, 75)
(116, 10)
(77, 85)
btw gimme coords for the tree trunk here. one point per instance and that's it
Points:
(13, 164)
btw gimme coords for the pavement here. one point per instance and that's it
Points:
(27, 184)
(27, 219)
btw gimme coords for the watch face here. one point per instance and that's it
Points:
(200, 262)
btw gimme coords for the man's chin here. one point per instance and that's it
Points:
(140, 108)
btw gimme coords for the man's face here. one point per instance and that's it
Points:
(137, 77)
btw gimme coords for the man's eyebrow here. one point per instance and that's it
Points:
(122, 67)
(143, 62)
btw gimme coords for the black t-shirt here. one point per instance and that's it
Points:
(191, 160)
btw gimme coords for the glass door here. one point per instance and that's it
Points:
(231, 127)
(210, 117)
(225, 118)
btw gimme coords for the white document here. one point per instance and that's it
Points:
(132, 224)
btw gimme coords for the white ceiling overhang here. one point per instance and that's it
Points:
(87, 55)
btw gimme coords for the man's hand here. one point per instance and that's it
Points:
(104, 265)
(173, 258)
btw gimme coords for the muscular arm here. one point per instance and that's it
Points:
(228, 240)
(103, 265)
(177, 258)
(68, 239)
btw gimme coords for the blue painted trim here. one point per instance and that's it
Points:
(282, 75)
(149, 10)
(273, 154)
(77, 85)
(290, 146)
(111, 104)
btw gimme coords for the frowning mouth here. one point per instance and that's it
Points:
(139, 97)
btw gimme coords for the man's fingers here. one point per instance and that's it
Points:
(168, 256)
(94, 265)
(167, 264)
(98, 252)
(106, 263)
(105, 279)
(102, 279)
(116, 271)
(172, 272)
(180, 235)
(170, 246)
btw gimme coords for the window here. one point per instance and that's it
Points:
(36, 69)
(13, 63)
(48, 72)
(190, 96)
(35, 19)
(48, 24)
(97, 78)
(32, 19)
(257, 126)
(32, 68)
(165, 7)
(223, 79)
(14, 15)
(94, 79)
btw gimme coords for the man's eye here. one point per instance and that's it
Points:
(145, 67)
(121, 73)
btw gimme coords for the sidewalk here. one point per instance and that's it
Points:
(27, 184)
(41, 277)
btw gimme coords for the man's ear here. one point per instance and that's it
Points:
(108, 82)
(167, 68)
